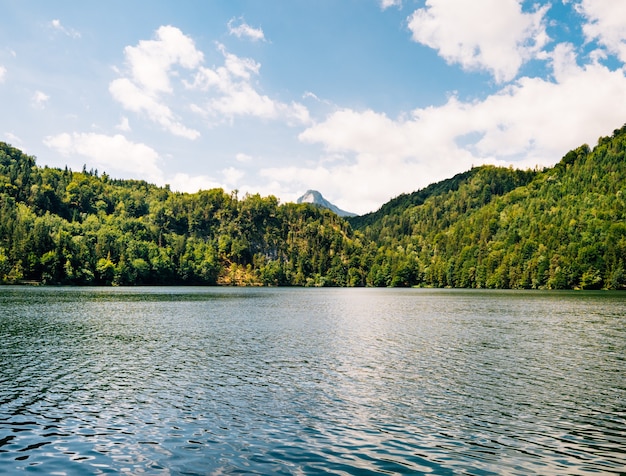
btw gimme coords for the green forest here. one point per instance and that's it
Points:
(562, 227)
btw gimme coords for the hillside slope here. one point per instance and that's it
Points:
(560, 228)
(64, 227)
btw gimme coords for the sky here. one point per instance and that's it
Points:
(361, 100)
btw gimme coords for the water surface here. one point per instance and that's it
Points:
(302, 381)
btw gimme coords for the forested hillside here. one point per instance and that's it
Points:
(64, 227)
(558, 228)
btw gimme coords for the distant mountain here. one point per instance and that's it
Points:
(316, 198)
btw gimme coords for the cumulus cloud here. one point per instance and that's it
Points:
(57, 26)
(243, 30)
(380, 154)
(139, 100)
(221, 93)
(150, 66)
(151, 61)
(115, 154)
(243, 158)
(39, 100)
(232, 176)
(183, 182)
(490, 35)
(532, 121)
(606, 23)
(384, 4)
(233, 93)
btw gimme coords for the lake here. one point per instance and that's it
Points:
(305, 381)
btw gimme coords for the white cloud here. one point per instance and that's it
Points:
(182, 182)
(243, 158)
(384, 4)
(138, 100)
(542, 120)
(234, 94)
(220, 93)
(606, 23)
(532, 121)
(3, 73)
(113, 154)
(151, 63)
(492, 35)
(56, 25)
(310, 95)
(232, 176)
(39, 100)
(243, 30)
(383, 155)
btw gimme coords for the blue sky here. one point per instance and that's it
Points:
(359, 99)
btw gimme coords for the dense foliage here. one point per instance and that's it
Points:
(64, 227)
(557, 228)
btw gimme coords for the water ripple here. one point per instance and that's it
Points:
(197, 381)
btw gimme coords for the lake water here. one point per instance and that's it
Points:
(305, 381)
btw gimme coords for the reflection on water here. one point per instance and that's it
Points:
(298, 381)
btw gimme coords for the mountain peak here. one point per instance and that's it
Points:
(316, 198)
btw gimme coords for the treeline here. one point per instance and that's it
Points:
(490, 227)
(560, 228)
(64, 227)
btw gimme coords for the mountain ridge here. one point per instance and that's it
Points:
(562, 227)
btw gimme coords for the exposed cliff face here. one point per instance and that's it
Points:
(316, 198)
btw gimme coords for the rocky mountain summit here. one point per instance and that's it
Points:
(316, 198)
